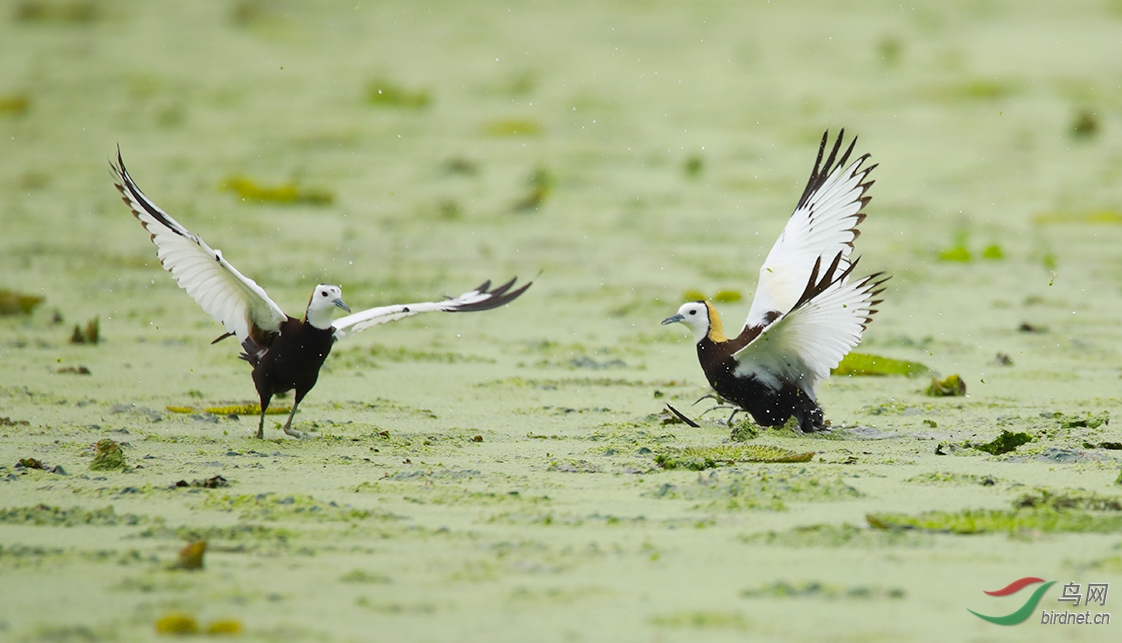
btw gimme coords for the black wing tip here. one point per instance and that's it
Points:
(499, 296)
(119, 171)
(822, 171)
(821, 280)
(133, 197)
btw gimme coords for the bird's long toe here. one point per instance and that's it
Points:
(297, 434)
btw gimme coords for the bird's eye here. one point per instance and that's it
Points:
(323, 293)
(693, 312)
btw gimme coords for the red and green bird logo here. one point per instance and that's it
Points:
(1021, 614)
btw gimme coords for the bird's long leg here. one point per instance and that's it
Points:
(288, 425)
(261, 424)
(728, 422)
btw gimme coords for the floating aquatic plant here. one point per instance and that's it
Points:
(16, 105)
(814, 589)
(540, 185)
(273, 506)
(745, 431)
(224, 627)
(959, 250)
(699, 458)
(950, 386)
(1004, 443)
(67, 12)
(866, 364)
(358, 357)
(213, 482)
(191, 556)
(980, 89)
(1090, 421)
(693, 295)
(1085, 125)
(890, 49)
(993, 252)
(703, 620)
(363, 576)
(513, 127)
(107, 456)
(693, 165)
(1087, 501)
(761, 487)
(727, 296)
(284, 193)
(46, 515)
(91, 334)
(177, 624)
(30, 463)
(956, 253)
(1042, 511)
(18, 303)
(1087, 217)
(386, 93)
(246, 409)
(241, 409)
(979, 521)
(947, 477)
(844, 535)
(722, 296)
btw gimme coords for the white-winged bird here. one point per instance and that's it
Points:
(286, 353)
(807, 312)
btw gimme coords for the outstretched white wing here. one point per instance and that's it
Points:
(826, 323)
(824, 223)
(479, 299)
(230, 297)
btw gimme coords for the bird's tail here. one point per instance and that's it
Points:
(253, 352)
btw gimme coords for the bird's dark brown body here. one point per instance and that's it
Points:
(767, 405)
(289, 360)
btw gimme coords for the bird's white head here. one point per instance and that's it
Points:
(695, 315)
(321, 307)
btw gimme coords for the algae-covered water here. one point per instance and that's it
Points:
(508, 476)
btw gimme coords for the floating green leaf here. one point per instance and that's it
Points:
(877, 365)
(993, 252)
(284, 193)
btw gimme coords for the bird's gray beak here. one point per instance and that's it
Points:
(672, 320)
(339, 303)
